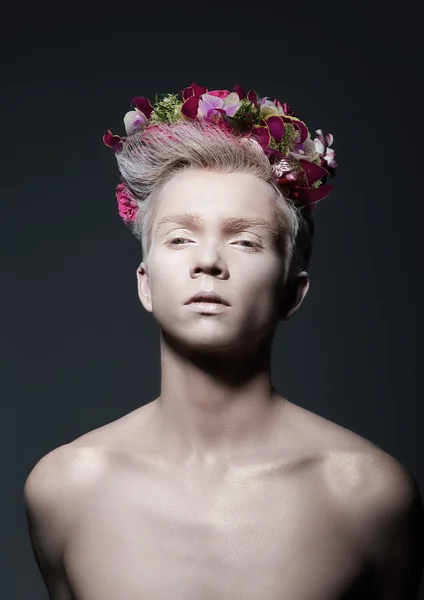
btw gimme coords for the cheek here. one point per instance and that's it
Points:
(164, 269)
(262, 276)
(261, 290)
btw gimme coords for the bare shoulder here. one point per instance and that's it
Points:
(384, 511)
(63, 471)
(57, 483)
(369, 482)
(377, 494)
(358, 471)
(53, 494)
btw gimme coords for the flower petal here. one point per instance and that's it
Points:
(208, 102)
(220, 93)
(193, 90)
(311, 196)
(190, 107)
(231, 98)
(319, 146)
(273, 152)
(262, 133)
(143, 105)
(313, 171)
(253, 97)
(231, 104)
(301, 127)
(213, 115)
(329, 139)
(198, 90)
(330, 158)
(239, 91)
(268, 108)
(134, 120)
(112, 141)
(276, 127)
(231, 109)
(286, 165)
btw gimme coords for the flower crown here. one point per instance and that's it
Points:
(300, 165)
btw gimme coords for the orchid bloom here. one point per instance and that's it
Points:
(208, 103)
(322, 146)
(134, 120)
(139, 117)
(268, 108)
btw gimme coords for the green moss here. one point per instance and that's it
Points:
(290, 134)
(246, 107)
(166, 109)
(274, 144)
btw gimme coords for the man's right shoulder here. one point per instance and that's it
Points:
(66, 469)
(61, 478)
(54, 493)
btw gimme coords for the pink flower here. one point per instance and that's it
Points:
(127, 205)
(219, 93)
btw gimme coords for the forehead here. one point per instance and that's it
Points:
(195, 197)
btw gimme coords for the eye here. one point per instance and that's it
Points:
(252, 244)
(178, 238)
(174, 241)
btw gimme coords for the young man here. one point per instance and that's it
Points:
(221, 488)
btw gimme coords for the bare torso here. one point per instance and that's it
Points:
(268, 527)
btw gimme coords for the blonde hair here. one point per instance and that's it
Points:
(149, 159)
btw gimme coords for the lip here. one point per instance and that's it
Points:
(208, 298)
(208, 307)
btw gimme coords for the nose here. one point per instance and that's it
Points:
(210, 262)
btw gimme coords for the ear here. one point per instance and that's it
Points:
(143, 287)
(294, 294)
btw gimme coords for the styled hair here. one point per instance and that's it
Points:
(149, 159)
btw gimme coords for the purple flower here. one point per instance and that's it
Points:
(208, 104)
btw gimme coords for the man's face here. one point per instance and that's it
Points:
(239, 261)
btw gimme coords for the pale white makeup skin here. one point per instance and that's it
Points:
(220, 488)
(216, 392)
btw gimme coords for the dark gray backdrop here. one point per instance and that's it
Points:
(77, 348)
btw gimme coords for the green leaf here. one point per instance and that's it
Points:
(258, 108)
(236, 124)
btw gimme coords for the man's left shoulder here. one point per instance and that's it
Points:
(371, 484)
(381, 501)
(384, 511)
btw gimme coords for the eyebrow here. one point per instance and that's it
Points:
(230, 224)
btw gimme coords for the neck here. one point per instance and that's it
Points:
(215, 405)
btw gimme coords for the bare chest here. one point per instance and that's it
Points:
(256, 535)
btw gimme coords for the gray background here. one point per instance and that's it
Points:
(77, 348)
